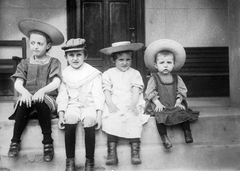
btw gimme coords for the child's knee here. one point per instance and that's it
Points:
(71, 119)
(89, 122)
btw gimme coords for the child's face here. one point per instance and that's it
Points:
(38, 45)
(75, 58)
(164, 64)
(123, 61)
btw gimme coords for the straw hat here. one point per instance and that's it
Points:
(74, 45)
(164, 44)
(121, 46)
(28, 24)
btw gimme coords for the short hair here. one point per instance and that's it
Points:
(84, 52)
(48, 39)
(164, 53)
(116, 54)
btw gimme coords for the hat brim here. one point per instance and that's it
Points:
(27, 25)
(164, 44)
(114, 49)
(73, 49)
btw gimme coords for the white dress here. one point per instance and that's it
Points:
(124, 123)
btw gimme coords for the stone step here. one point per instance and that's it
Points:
(216, 144)
(181, 157)
(215, 124)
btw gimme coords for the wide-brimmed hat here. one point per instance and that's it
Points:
(164, 44)
(74, 45)
(121, 46)
(29, 24)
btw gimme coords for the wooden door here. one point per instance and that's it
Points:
(103, 22)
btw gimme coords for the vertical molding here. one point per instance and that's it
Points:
(71, 19)
(234, 51)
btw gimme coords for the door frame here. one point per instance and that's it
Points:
(74, 30)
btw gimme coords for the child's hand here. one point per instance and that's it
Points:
(26, 98)
(179, 104)
(98, 122)
(159, 107)
(38, 96)
(61, 122)
(133, 108)
(112, 108)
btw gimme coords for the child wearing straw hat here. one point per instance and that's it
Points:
(36, 80)
(80, 99)
(123, 113)
(166, 92)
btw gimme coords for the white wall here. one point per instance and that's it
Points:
(13, 11)
(190, 22)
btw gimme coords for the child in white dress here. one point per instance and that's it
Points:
(123, 113)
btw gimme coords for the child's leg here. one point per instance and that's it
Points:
(187, 131)
(112, 158)
(162, 130)
(135, 150)
(70, 141)
(89, 128)
(44, 118)
(21, 119)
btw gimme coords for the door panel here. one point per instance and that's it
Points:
(103, 22)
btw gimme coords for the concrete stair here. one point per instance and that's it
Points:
(216, 143)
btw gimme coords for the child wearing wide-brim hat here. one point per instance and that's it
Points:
(166, 93)
(123, 112)
(80, 99)
(36, 80)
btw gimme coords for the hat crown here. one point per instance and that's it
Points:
(122, 43)
(76, 42)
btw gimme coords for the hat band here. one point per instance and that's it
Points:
(78, 46)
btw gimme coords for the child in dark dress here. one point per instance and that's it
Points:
(166, 92)
(36, 80)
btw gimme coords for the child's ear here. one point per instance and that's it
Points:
(155, 65)
(49, 45)
(112, 60)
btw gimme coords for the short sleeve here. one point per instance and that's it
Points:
(55, 70)
(137, 81)
(107, 83)
(21, 71)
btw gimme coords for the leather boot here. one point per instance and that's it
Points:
(48, 152)
(188, 136)
(135, 150)
(166, 142)
(89, 165)
(14, 149)
(70, 164)
(112, 158)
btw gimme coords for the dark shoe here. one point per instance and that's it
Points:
(135, 156)
(48, 152)
(166, 142)
(14, 149)
(188, 136)
(112, 158)
(70, 164)
(89, 165)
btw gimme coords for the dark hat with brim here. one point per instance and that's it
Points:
(121, 46)
(164, 44)
(27, 25)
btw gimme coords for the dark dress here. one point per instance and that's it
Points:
(35, 77)
(167, 96)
